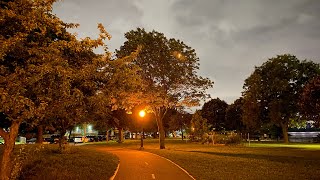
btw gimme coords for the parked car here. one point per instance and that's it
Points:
(102, 137)
(32, 141)
(48, 141)
(55, 138)
(92, 138)
(78, 139)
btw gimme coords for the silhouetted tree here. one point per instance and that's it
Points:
(310, 100)
(234, 116)
(272, 91)
(215, 112)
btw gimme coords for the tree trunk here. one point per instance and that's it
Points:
(9, 143)
(62, 143)
(40, 134)
(136, 135)
(161, 137)
(161, 133)
(182, 134)
(69, 138)
(285, 133)
(84, 126)
(159, 114)
(120, 135)
(107, 135)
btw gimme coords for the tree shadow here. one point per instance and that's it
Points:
(275, 158)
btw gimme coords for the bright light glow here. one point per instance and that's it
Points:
(89, 127)
(142, 113)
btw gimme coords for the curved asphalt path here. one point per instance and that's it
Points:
(140, 165)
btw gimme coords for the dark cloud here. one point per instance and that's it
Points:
(230, 37)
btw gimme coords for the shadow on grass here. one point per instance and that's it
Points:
(274, 158)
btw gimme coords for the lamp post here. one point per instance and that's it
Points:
(142, 113)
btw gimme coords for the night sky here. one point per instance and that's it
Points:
(229, 36)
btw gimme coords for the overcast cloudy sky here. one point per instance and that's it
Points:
(230, 36)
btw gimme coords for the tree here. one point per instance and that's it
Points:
(272, 91)
(199, 125)
(215, 112)
(120, 119)
(169, 73)
(27, 50)
(234, 116)
(46, 73)
(179, 121)
(310, 100)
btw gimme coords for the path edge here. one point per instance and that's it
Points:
(116, 172)
(174, 164)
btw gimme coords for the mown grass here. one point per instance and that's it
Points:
(291, 145)
(77, 163)
(257, 161)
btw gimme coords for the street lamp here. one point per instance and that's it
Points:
(142, 113)
(178, 55)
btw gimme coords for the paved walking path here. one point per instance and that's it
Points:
(140, 165)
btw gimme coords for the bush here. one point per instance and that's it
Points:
(233, 139)
(227, 139)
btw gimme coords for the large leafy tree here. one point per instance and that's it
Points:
(272, 91)
(234, 116)
(310, 100)
(169, 72)
(215, 112)
(47, 73)
(29, 48)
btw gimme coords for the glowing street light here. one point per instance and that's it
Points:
(179, 56)
(142, 113)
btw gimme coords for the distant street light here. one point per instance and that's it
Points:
(179, 56)
(142, 113)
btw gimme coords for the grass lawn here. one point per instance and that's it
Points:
(257, 161)
(79, 163)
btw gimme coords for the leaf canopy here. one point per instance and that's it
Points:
(168, 69)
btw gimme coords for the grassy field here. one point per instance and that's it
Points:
(257, 161)
(77, 163)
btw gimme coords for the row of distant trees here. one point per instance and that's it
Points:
(282, 91)
(174, 120)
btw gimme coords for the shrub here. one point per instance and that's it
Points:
(227, 139)
(233, 139)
